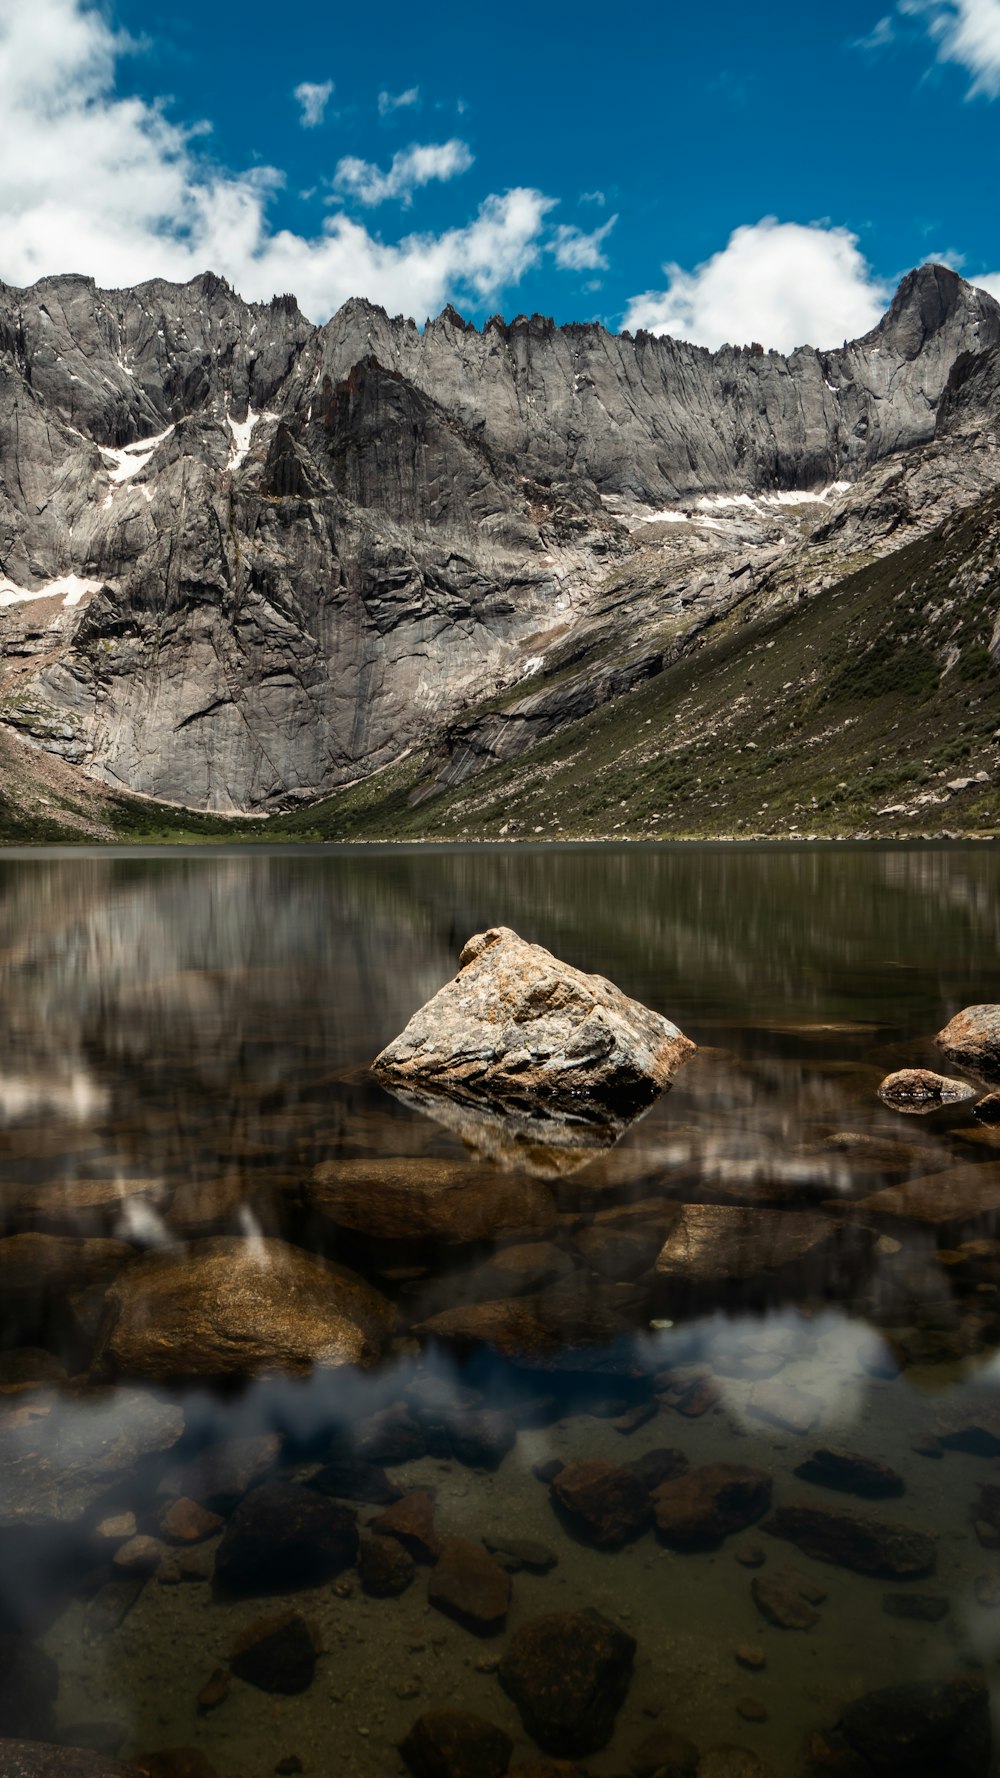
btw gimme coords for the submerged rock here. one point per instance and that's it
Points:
(385, 1566)
(606, 1504)
(283, 1536)
(74, 1447)
(455, 1744)
(411, 1522)
(576, 1325)
(519, 1029)
(959, 1195)
(277, 1654)
(919, 1089)
(720, 1243)
(787, 1599)
(568, 1674)
(232, 1307)
(355, 1478)
(782, 1405)
(469, 1586)
(865, 1544)
(849, 1473)
(972, 1039)
(447, 1202)
(924, 1730)
(700, 1509)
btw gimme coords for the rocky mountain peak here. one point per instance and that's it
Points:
(291, 551)
(929, 300)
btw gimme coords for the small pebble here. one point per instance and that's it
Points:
(750, 1555)
(750, 1656)
(752, 1710)
(987, 1590)
(215, 1690)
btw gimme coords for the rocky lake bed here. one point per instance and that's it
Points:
(339, 1438)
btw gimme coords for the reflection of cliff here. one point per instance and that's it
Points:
(204, 1017)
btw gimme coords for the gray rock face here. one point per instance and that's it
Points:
(291, 553)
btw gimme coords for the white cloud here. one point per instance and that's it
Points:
(882, 33)
(411, 168)
(990, 281)
(782, 283)
(966, 32)
(593, 197)
(106, 185)
(390, 102)
(576, 251)
(313, 99)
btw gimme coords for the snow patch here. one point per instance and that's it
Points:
(242, 431)
(70, 588)
(131, 458)
(533, 664)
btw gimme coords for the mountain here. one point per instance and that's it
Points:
(248, 565)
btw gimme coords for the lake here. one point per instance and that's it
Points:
(778, 1342)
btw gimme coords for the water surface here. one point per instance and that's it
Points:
(186, 1038)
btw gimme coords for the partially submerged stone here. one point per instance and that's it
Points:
(519, 1030)
(972, 1039)
(960, 1195)
(719, 1243)
(233, 1307)
(919, 1089)
(449, 1203)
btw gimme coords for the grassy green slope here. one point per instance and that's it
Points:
(851, 712)
(811, 717)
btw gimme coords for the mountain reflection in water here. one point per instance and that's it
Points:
(755, 1272)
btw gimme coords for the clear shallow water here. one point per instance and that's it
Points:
(186, 1038)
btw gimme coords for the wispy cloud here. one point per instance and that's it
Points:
(313, 98)
(576, 251)
(390, 102)
(593, 197)
(882, 33)
(966, 32)
(785, 284)
(412, 167)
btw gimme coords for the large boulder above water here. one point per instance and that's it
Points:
(519, 1030)
(233, 1307)
(972, 1039)
(919, 1089)
(447, 1202)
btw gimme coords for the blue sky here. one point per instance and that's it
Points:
(713, 172)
